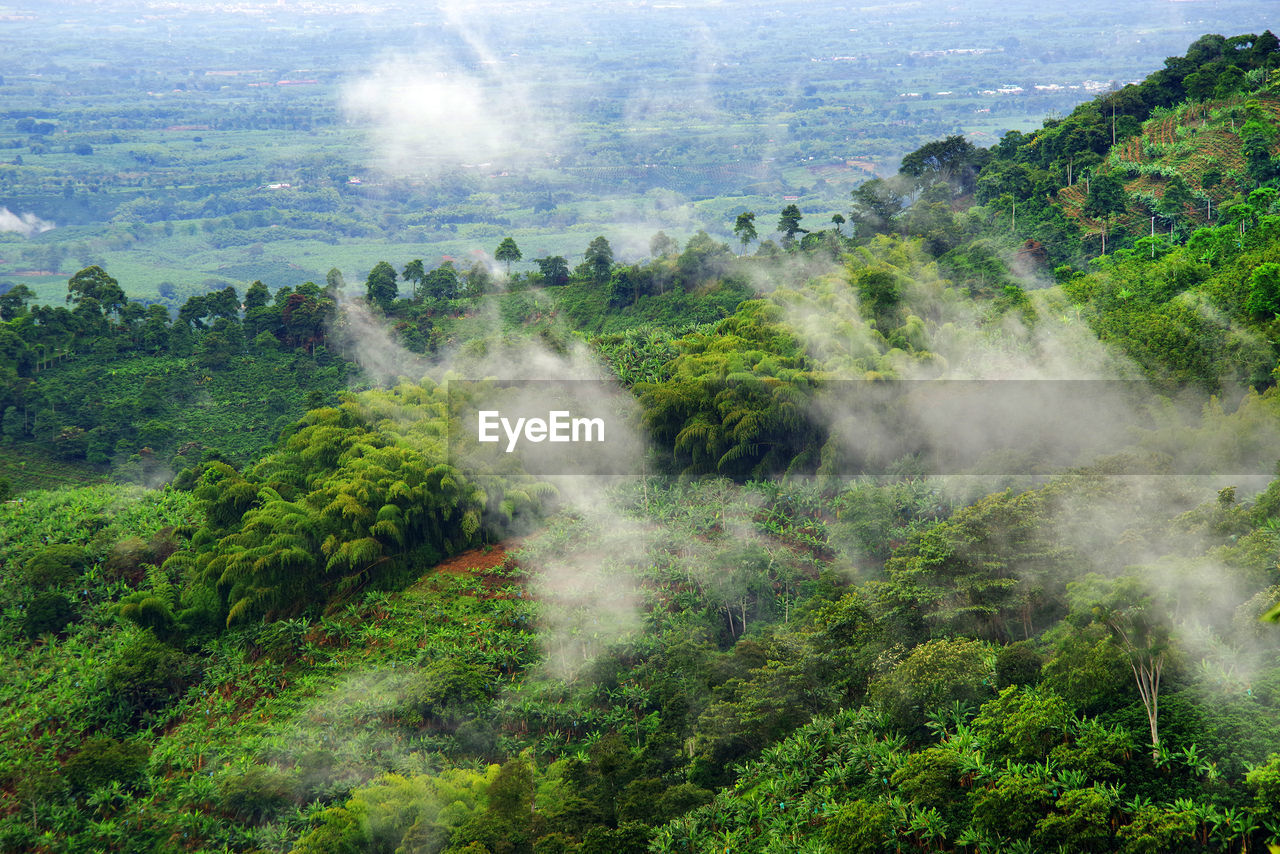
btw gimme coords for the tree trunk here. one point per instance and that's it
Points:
(1147, 675)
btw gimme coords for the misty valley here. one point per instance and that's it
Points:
(588, 428)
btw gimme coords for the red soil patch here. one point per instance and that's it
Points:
(475, 560)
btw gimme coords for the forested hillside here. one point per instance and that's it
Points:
(286, 615)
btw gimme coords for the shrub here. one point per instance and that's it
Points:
(681, 798)
(935, 674)
(440, 692)
(103, 760)
(147, 675)
(1265, 783)
(48, 613)
(1017, 664)
(54, 566)
(16, 837)
(1023, 723)
(255, 794)
(859, 827)
(129, 557)
(1012, 806)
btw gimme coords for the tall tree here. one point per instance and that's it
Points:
(555, 270)
(745, 228)
(1138, 625)
(194, 311)
(599, 257)
(223, 303)
(259, 315)
(508, 253)
(661, 245)
(256, 296)
(13, 302)
(380, 287)
(414, 272)
(954, 160)
(1106, 196)
(442, 282)
(154, 334)
(94, 283)
(333, 280)
(876, 205)
(789, 225)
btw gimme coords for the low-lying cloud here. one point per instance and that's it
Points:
(26, 224)
(424, 117)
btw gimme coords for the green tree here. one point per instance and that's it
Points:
(860, 827)
(1137, 622)
(11, 424)
(223, 304)
(879, 295)
(661, 245)
(193, 312)
(735, 402)
(1011, 806)
(703, 258)
(380, 287)
(94, 283)
(789, 225)
(13, 354)
(182, 340)
(744, 227)
(414, 272)
(876, 206)
(333, 280)
(554, 269)
(1263, 302)
(508, 253)
(153, 336)
(1106, 196)
(599, 258)
(13, 302)
(627, 285)
(442, 282)
(935, 674)
(954, 160)
(1017, 664)
(1023, 724)
(259, 315)
(1175, 201)
(1081, 822)
(478, 280)
(989, 567)
(1264, 781)
(256, 296)
(1258, 138)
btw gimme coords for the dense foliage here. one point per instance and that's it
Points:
(326, 634)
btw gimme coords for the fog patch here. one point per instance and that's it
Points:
(26, 224)
(426, 114)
